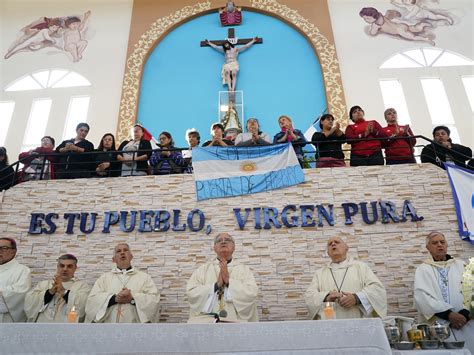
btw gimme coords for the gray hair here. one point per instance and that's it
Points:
(115, 248)
(220, 234)
(432, 235)
(341, 238)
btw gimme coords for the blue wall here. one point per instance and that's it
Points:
(181, 80)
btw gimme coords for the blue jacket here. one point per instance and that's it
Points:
(297, 145)
(163, 165)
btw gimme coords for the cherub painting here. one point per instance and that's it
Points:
(66, 34)
(390, 24)
(414, 11)
(74, 43)
(39, 34)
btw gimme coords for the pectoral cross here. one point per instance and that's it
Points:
(220, 296)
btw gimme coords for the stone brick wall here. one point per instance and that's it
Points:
(283, 260)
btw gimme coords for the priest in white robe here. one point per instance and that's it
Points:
(438, 290)
(56, 300)
(223, 286)
(123, 295)
(350, 284)
(15, 282)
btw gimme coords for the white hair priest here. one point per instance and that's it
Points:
(348, 284)
(439, 292)
(223, 286)
(123, 295)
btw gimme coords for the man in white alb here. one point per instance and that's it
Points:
(438, 289)
(123, 295)
(223, 286)
(51, 301)
(354, 288)
(15, 282)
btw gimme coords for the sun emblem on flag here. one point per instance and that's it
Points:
(248, 166)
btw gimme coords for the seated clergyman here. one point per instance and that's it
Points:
(354, 288)
(438, 289)
(51, 301)
(223, 286)
(123, 295)
(15, 282)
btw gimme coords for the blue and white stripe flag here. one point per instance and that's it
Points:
(462, 185)
(234, 171)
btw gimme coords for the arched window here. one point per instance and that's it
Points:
(430, 87)
(55, 78)
(426, 58)
(58, 99)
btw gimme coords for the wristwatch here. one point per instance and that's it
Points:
(132, 302)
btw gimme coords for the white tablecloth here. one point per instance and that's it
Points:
(432, 352)
(363, 336)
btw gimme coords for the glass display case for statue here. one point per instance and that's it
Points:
(231, 109)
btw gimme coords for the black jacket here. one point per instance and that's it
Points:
(458, 153)
(142, 165)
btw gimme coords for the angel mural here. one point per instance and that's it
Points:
(380, 23)
(412, 20)
(415, 11)
(73, 41)
(66, 34)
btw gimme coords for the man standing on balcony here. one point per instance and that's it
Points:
(443, 149)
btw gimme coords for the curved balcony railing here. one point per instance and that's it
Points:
(88, 164)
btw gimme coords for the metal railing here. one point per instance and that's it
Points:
(84, 165)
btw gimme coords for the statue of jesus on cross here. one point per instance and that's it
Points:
(231, 51)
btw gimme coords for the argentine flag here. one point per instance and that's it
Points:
(233, 171)
(462, 185)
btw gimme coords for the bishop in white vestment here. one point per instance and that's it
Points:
(15, 282)
(438, 290)
(223, 286)
(123, 295)
(354, 288)
(51, 301)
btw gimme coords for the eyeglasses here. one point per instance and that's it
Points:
(5, 248)
(225, 240)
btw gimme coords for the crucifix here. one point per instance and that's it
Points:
(229, 47)
(230, 70)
